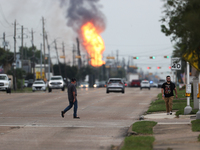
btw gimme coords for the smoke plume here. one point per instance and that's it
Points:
(80, 12)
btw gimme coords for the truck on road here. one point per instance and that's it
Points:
(5, 83)
(133, 80)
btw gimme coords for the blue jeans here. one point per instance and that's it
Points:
(70, 106)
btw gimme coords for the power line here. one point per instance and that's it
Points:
(1, 10)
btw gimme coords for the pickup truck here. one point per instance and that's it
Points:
(56, 82)
(5, 83)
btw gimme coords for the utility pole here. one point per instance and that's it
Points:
(117, 57)
(63, 48)
(32, 41)
(4, 41)
(79, 54)
(57, 56)
(49, 58)
(41, 60)
(49, 54)
(188, 108)
(15, 85)
(22, 28)
(73, 55)
(43, 30)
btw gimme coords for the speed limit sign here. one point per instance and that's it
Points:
(176, 63)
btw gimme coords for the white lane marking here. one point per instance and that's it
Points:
(59, 126)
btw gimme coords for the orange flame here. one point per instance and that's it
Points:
(93, 43)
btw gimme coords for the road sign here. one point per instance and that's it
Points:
(78, 56)
(62, 56)
(176, 63)
(110, 57)
(188, 88)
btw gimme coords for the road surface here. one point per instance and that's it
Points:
(32, 121)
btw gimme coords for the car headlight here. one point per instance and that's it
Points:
(6, 83)
(86, 85)
(95, 85)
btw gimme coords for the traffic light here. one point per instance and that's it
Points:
(158, 67)
(148, 67)
(152, 57)
(166, 56)
(135, 57)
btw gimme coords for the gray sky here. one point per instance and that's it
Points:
(132, 27)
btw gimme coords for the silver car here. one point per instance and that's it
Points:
(39, 85)
(115, 85)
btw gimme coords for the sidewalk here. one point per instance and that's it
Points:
(172, 133)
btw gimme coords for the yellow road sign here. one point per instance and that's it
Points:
(192, 58)
(78, 56)
(110, 57)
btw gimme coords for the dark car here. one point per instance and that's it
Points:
(30, 82)
(135, 83)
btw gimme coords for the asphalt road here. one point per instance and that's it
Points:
(30, 121)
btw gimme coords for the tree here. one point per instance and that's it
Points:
(182, 22)
(6, 58)
(28, 53)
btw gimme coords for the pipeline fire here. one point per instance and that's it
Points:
(93, 43)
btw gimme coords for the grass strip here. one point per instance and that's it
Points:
(178, 104)
(24, 90)
(138, 143)
(144, 127)
(196, 125)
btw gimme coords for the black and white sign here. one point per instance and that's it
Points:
(188, 88)
(176, 63)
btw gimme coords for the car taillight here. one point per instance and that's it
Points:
(120, 83)
(109, 82)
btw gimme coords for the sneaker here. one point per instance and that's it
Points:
(62, 114)
(76, 117)
(170, 113)
(167, 113)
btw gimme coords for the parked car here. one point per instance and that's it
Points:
(115, 85)
(84, 85)
(160, 83)
(5, 83)
(56, 82)
(145, 84)
(135, 83)
(39, 85)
